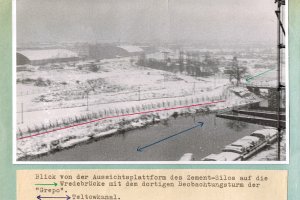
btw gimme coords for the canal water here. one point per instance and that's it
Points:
(201, 141)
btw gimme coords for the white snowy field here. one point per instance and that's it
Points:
(117, 84)
(42, 144)
(118, 87)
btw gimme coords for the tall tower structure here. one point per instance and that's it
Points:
(166, 55)
(280, 45)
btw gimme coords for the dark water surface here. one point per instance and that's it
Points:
(201, 141)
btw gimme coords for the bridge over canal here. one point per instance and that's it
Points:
(257, 114)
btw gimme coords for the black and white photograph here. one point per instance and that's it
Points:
(150, 81)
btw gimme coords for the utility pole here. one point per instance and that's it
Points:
(21, 93)
(22, 113)
(181, 61)
(280, 30)
(139, 93)
(214, 80)
(236, 69)
(87, 100)
(194, 87)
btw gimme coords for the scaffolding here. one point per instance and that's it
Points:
(280, 86)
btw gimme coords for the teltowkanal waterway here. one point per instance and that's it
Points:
(201, 141)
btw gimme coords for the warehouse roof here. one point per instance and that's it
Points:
(44, 54)
(131, 49)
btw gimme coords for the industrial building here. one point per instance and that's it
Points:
(106, 51)
(45, 56)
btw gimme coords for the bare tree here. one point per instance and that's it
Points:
(237, 72)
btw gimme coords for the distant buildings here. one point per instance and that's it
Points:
(106, 51)
(78, 51)
(45, 56)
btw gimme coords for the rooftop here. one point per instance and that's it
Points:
(44, 54)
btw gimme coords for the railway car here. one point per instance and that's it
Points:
(223, 156)
(267, 135)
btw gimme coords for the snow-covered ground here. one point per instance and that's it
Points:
(118, 87)
(72, 136)
(117, 84)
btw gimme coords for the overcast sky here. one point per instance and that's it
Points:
(146, 20)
